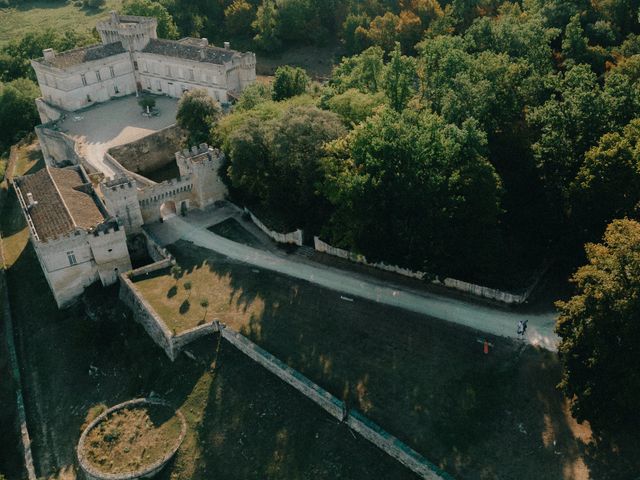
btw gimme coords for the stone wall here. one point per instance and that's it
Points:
(58, 148)
(291, 237)
(151, 152)
(144, 314)
(173, 344)
(466, 287)
(337, 409)
(324, 247)
(123, 172)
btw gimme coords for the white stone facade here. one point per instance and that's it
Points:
(73, 251)
(198, 186)
(132, 59)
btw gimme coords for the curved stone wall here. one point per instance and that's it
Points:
(93, 473)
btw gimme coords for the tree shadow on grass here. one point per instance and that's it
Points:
(425, 381)
(184, 307)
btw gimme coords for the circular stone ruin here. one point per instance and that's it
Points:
(131, 440)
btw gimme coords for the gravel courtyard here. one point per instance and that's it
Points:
(114, 123)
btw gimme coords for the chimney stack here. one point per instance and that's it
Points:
(115, 19)
(204, 42)
(227, 45)
(49, 54)
(203, 54)
(30, 201)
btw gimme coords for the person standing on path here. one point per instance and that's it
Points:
(521, 329)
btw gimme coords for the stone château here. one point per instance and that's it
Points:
(130, 59)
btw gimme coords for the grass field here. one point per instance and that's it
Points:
(73, 362)
(477, 416)
(33, 15)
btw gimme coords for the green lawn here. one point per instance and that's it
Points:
(39, 14)
(425, 381)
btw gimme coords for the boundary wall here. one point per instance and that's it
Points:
(144, 313)
(291, 237)
(336, 408)
(15, 369)
(173, 344)
(466, 287)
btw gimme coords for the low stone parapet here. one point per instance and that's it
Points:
(291, 237)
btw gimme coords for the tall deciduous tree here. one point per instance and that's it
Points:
(608, 183)
(289, 82)
(266, 24)
(18, 113)
(146, 8)
(238, 18)
(197, 114)
(277, 162)
(599, 329)
(399, 78)
(412, 190)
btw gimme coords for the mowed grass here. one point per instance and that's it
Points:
(60, 15)
(180, 301)
(425, 381)
(74, 363)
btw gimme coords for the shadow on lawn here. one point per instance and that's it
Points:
(425, 381)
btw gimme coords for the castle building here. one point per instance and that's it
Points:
(132, 59)
(80, 234)
(75, 238)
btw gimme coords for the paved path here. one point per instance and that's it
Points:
(348, 284)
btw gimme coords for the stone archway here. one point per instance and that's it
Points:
(168, 209)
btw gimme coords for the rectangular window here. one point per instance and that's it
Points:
(115, 89)
(112, 72)
(135, 65)
(72, 258)
(98, 75)
(84, 79)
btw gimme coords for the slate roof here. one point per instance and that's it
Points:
(83, 54)
(65, 202)
(188, 51)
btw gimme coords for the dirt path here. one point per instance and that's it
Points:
(484, 318)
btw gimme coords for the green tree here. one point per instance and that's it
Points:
(399, 77)
(253, 95)
(18, 112)
(354, 106)
(147, 8)
(289, 82)
(565, 127)
(363, 71)
(354, 32)
(147, 103)
(267, 37)
(276, 162)
(238, 18)
(599, 330)
(608, 183)
(575, 45)
(414, 191)
(197, 114)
